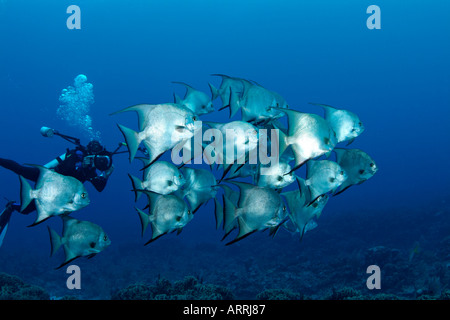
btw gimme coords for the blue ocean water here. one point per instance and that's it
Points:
(395, 78)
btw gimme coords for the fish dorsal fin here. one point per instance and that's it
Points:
(141, 110)
(214, 125)
(189, 89)
(146, 162)
(67, 222)
(327, 108)
(152, 197)
(244, 187)
(294, 118)
(42, 171)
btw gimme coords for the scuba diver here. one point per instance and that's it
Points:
(91, 163)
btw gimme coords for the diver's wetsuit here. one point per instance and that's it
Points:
(70, 166)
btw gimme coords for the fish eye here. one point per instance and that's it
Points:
(105, 237)
(280, 178)
(284, 208)
(203, 107)
(83, 195)
(342, 172)
(361, 171)
(178, 218)
(189, 212)
(372, 164)
(331, 179)
(315, 204)
(360, 124)
(169, 183)
(194, 118)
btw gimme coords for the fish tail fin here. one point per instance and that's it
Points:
(26, 193)
(214, 92)
(132, 140)
(145, 218)
(55, 241)
(229, 212)
(137, 186)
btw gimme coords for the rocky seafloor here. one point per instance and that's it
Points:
(411, 249)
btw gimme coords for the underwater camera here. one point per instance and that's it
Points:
(102, 161)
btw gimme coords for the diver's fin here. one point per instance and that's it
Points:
(5, 216)
(137, 185)
(131, 139)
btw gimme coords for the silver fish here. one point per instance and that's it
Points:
(55, 194)
(358, 165)
(168, 213)
(323, 176)
(162, 126)
(160, 177)
(79, 239)
(344, 123)
(201, 186)
(258, 209)
(246, 141)
(277, 176)
(309, 135)
(231, 89)
(258, 105)
(301, 215)
(195, 100)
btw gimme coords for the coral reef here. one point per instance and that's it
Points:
(190, 288)
(279, 294)
(13, 288)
